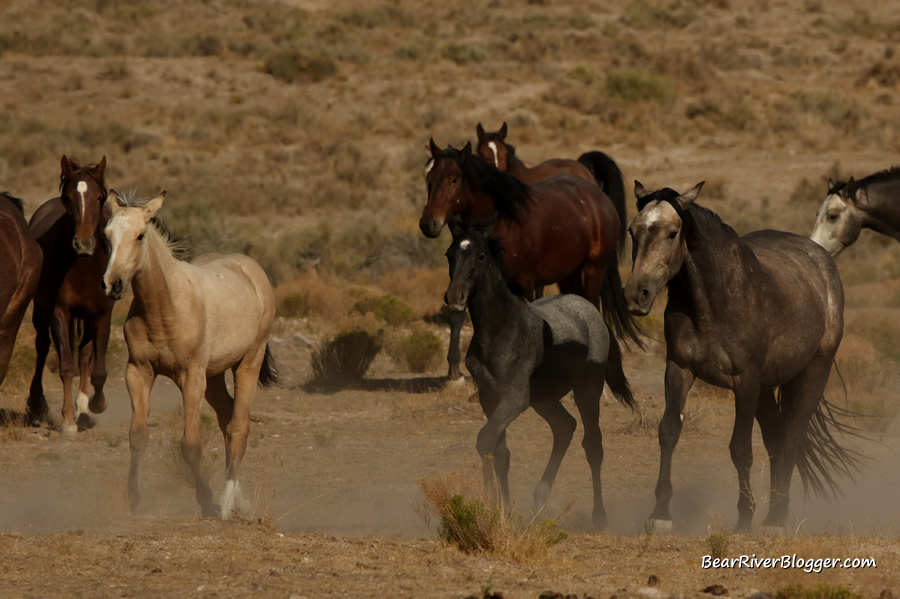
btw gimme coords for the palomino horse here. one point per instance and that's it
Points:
(20, 269)
(560, 230)
(530, 354)
(750, 314)
(595, 167)
(69, 230)
(190, 322)
(850, 206)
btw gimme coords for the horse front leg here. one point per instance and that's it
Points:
(193, 389)
(36, 406)
(457, 320)
(746, 398)
(97, 403)
(85, 354)
(678, 382)
(507, 404)
(60, 332)
(139, 379)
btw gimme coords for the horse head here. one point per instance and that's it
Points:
(83, 191)
(492, 146)
(839, 219)
(444, 177)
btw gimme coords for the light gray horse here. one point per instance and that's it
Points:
(529, 354)
(850, 206)
(752, 314)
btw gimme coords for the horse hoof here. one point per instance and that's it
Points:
(97, 405)
(69, 430)
(659, 526)
(85, 422)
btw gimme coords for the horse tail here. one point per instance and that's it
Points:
(822, 457)
(268, 372)
(615, 374)
(615, 309)
(609, 177)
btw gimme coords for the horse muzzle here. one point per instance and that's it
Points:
(114, 292)
(639, 301)
(458, 303)
(84, 247)
(431, 227)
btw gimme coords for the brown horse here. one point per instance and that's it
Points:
(560, 230)
(20, 268)
(595, 167)
(69, 229)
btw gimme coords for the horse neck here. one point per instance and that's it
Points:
(882, 208)
(515, 167)
(492, 303)
(701, 287)
(156, 277)
(477, 204)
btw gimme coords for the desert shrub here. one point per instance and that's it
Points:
(297, 304)
(463, 54)
(822, 591)
(343, 360)
(292, 66)
(717, 544)
(420, 351)
(475, 525)
(388, 308)
(634, 85)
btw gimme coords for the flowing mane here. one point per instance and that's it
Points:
(179, 245)
(17, 202)
(511, 197)
(886, 176)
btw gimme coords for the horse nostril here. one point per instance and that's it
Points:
(103, 284)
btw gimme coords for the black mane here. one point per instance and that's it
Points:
(511, 196)
(495, 254)
(885, 176)
(696, 221)
(17, 202)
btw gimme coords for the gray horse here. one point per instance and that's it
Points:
(850, 206)
(752, 314)
(533, 354)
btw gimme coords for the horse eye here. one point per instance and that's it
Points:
(672, 234)
(454, 180)
(833, 217)
(481, 258)
(141, 237)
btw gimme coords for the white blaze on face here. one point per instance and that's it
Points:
(464, 244)
(493, 147)
(659, 213)
(81, 188)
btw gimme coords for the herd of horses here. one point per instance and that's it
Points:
(759, 314)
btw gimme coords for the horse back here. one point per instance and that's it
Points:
(46, 219)
(552, 168)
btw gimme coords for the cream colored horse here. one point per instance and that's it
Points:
(191, 322)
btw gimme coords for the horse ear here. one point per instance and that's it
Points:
(479, 130)
(101, 167)
(639, 191)
(435, 150)
(151, 208)
(503, 131)
(65, 167)
(456, 229)
(466, 151)
(688, 197)
(830, 183)
(111, 205)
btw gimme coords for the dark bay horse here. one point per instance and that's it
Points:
(595, 167)
(752, 314)
(20, 269)
(69, 229)
(560, 230)
(850, 206)
(529, 354)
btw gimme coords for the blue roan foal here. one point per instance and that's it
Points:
(529, 354)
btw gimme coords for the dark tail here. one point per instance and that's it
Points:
(268, 372)
(609, 177)
(822, 457)
(621, 323)
(615, 374)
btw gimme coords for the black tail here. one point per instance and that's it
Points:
(268, 372)
(822, 456)
(17, 202)
(621, 323)
(609, 178)
(615, 374)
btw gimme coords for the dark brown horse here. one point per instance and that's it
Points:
(20, 268)
(561, 230)
(69, 230)
(753, 314)
(595, 167)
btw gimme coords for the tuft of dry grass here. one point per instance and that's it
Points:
(475, 524)
(343, 360)
(419, 351)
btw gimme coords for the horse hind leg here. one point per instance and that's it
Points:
(746, 398)
(587, 399)
(36, 406)
(562, 425)
(101, 327)
(60, 331)
(193, 389)
(223, 403)
(772, 425)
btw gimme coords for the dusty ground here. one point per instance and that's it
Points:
(320, 180)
